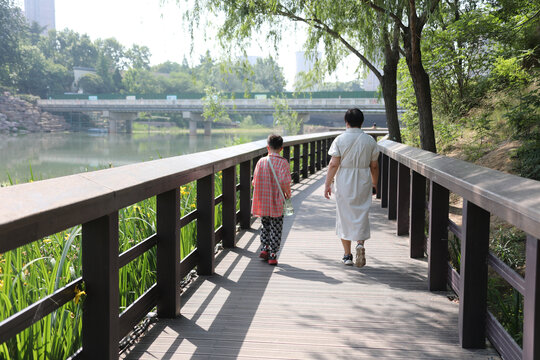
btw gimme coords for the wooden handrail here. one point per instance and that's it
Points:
(32, 211)
(484, 192)
(512, 198)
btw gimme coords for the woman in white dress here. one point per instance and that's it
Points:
(355, 166)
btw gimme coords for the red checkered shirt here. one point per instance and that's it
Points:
(267, 200)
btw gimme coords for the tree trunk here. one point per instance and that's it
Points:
(422, 88)
(389, 89)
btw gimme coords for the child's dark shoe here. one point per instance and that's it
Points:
(264, 255)
(272, 259)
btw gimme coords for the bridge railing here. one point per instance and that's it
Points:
(405, 172)
(29, 212)
(198, 102)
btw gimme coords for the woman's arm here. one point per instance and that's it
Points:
(333, 167)
(374, 167)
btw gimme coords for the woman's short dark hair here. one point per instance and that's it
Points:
(354, 117)
(275, 141)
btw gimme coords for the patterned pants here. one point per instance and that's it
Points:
(271, 233)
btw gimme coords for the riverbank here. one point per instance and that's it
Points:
(20, 116)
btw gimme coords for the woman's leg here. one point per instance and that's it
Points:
(346, 246)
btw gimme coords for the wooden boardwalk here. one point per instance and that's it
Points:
(311, 306)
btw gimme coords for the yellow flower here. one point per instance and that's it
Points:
(47, 240)
(193, 206)
(66, 236)
(1, 284)
(78, 294)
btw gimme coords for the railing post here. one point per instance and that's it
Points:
(319, 155)
(100, 316)
(229, 207)
(205, 224)
(324, 153)
(392, 189)
(254, 162)
(473, 276)
(168, 253)
(287, 153)
(245, 194)
(312, 157)
(403, 196)
(531, 302)
(384, 181)
(305, 166)
(296, 165)
(418, 215)
(379, 181)
(438, 237)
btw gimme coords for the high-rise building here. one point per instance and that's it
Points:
(42, 12)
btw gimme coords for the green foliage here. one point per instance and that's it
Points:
(12, 28)
(508, 244)
(508, 73)
(91, 84)
(213, 107)
(524, 118)
(34, 271)
(285, 117)
(410, 131)
(506, 304)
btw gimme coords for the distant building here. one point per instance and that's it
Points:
(304, 65)
(252, 60)
(371, 82)
(42, 12)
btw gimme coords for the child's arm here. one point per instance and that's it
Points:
(286, 175)
(286, 188)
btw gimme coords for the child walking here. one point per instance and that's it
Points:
(267, 200)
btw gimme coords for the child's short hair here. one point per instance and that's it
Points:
(275, 141)
(354, 117)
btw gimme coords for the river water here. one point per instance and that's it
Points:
(44, 156)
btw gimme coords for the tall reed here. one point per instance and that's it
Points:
(33, 271)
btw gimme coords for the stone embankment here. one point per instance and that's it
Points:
(20, 116)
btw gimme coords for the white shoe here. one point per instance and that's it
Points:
(360, 256)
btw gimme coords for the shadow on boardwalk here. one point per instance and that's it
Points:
(311, 306)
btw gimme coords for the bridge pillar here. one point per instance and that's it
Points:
(207, 128)
(192, 127)
(304, 118)
(193, 119)
(116, 117)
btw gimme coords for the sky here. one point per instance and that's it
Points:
(161, 28)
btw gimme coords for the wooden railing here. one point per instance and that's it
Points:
(29, 212)
(405, 172)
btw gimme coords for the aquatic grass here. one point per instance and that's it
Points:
(30, 273)
(36, 270)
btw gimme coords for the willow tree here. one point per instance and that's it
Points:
(342, 27)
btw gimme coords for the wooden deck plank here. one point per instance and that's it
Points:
(311, 306)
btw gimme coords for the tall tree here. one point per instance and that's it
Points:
(343, 27)
(12, 29)
(139, 57)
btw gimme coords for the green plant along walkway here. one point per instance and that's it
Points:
(311, 306)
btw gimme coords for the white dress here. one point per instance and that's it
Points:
(352, 187)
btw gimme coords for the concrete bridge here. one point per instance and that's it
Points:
(127, 110)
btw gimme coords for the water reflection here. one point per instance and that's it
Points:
(52, 155)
